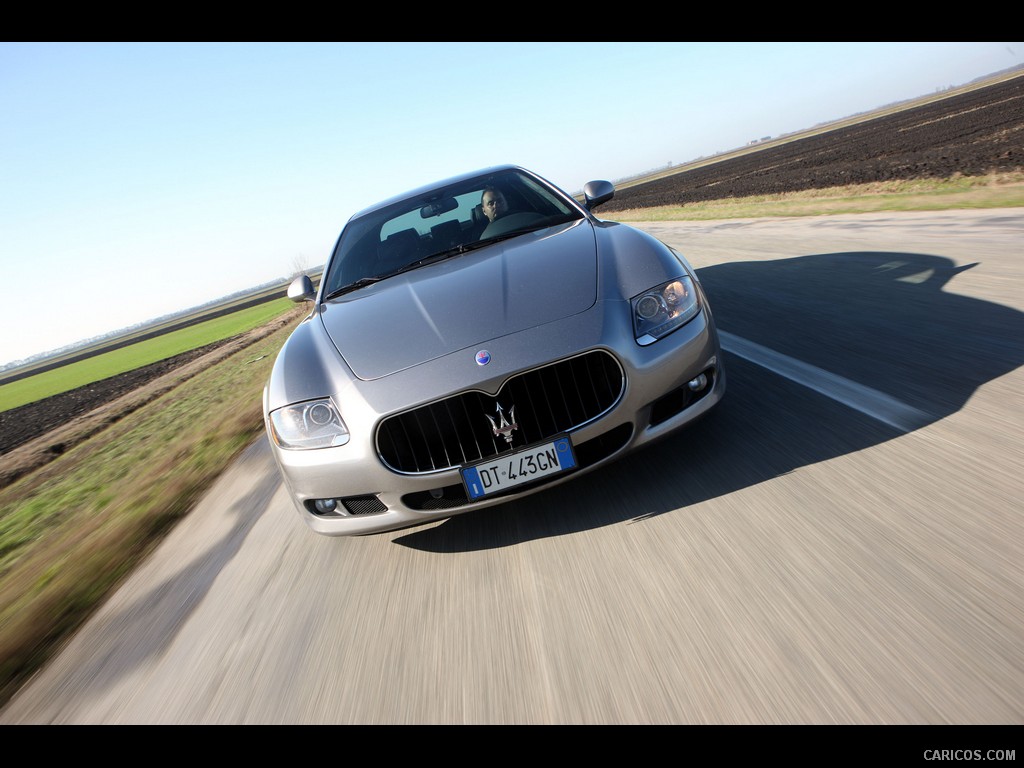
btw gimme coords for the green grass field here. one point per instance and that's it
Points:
(107, 364)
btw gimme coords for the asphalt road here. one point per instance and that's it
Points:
(842, 542)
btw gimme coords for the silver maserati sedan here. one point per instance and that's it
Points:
(478, 340)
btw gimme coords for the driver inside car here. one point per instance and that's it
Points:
(494, 203)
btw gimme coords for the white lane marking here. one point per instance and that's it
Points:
(868, 401)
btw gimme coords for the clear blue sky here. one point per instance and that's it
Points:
(139, 179)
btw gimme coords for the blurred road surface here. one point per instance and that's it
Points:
(842, 542)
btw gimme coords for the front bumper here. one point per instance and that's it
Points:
(656, 401)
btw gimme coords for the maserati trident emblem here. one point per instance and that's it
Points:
(502, 427)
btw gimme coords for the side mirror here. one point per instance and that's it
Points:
(597, 192)
(301, 289)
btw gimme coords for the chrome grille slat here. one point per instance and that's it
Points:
(549, 400)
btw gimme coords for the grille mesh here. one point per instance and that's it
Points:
(549, 400)
(364, 505)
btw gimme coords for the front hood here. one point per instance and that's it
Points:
(465, 301)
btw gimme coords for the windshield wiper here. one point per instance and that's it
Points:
(455, 250)
(360, 283)
(550, 221)
(506, 236)
(434, 257)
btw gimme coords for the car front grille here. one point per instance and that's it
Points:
(549, 400)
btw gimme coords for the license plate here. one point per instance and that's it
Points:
(527, 465)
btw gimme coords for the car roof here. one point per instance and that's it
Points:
(438, 184)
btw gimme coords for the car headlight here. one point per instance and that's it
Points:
(659, 311)
(313, 424)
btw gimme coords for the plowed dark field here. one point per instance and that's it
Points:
(972, 134)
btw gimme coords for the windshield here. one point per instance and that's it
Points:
(448, 220)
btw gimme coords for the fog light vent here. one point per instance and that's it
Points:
(364, 505)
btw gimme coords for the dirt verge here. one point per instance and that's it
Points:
(36, 433)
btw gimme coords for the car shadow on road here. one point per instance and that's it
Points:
(888, 321)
